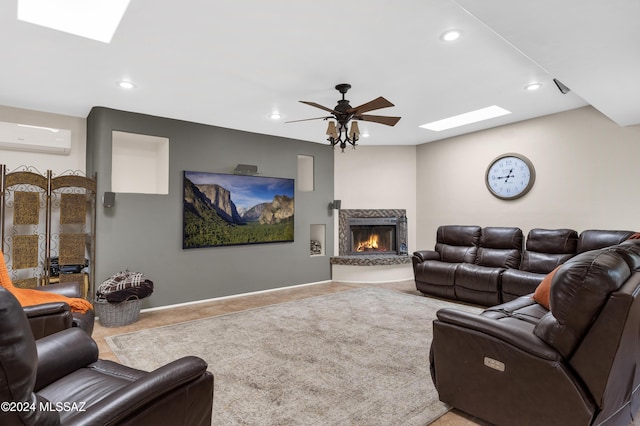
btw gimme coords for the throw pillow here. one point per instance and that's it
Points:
(543, 291)
(635, 236)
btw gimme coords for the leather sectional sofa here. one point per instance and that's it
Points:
(575, 362)
(492, 265)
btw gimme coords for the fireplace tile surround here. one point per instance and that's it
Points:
(345, 255)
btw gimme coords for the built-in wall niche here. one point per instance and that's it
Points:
(318, 236)
(305, 173)
(139, 163)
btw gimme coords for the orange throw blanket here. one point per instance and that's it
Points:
(30, 297)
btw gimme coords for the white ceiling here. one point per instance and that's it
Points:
(231, 63)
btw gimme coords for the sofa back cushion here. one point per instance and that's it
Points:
(500, 247)
(548, 248)
(457, 243)
(579, 290)
(593, 239)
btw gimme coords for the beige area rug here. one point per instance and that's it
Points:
(358, 357)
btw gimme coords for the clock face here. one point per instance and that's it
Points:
(510, 176)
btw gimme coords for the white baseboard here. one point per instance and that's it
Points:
(233, 296)
(397, 280)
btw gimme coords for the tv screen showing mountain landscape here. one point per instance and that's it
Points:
(224, 209)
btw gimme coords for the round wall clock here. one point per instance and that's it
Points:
(510, 176)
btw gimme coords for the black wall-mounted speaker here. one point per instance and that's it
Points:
(109, 199)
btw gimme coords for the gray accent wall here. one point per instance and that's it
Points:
(143, 232)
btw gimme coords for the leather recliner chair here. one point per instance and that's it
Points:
(60, 380)
(49, 318)
(575, 364)
(435, 269)
(480, 282)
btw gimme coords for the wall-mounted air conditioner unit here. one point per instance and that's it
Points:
(25, 137)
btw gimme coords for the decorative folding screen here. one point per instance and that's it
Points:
(48, 227)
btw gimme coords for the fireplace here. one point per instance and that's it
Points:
(373, 235)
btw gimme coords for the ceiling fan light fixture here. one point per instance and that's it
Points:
(332, 132)
(338, 131)
(355, 131)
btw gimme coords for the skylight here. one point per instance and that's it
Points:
(466, 118)
(94, 19)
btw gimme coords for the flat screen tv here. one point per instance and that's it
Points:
(226, 209)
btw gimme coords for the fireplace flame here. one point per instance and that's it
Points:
(370, 244)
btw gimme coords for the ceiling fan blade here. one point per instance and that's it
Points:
(309, 119)
(389, 121)
(377, 103)
(313, 104)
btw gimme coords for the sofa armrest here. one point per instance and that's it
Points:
(141, 394)
(48, 318)
(521, 338)
(70, 289)
(50, 308)
(422, 255)
(62, 353)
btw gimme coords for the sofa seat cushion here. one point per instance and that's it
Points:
(436, 278)
(435, 272)
(478, 284)
(516, 283)
(523, 308)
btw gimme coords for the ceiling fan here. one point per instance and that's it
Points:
(343, 113)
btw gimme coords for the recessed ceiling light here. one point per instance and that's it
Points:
(450, 35)
(533, 86)
(466, 118)
(365, 134)
(275, 116)
(126, 84)
(94, 19)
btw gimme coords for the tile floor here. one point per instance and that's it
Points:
(239, 303)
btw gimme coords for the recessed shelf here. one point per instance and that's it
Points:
(305, 173)
(317, 236)
(139, 163)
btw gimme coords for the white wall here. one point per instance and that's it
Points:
(76, 160)
(376, 177)
(587, 176)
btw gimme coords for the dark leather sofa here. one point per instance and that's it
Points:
(492, 265)
(576, 364)
(59, 380)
